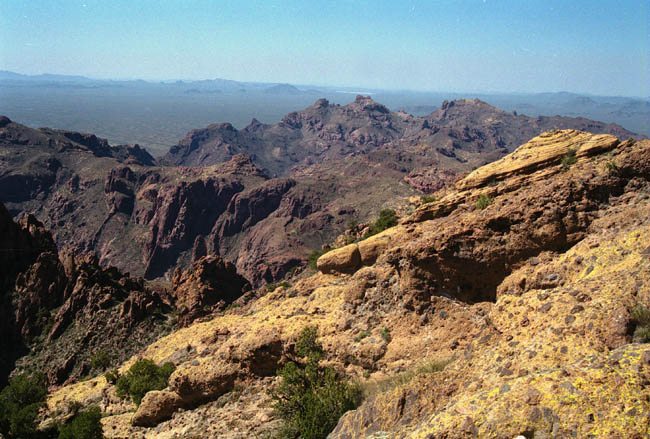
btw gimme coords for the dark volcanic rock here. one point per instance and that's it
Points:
(207, 286)
(64, 307)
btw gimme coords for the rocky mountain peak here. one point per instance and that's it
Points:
(321, 103)
(366, 103)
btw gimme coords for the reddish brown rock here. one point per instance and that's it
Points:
(207, 286)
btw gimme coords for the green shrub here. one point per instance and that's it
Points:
(612, 168)
(641, 334)
(483, 201)
(313, 257)
(385, 334)
(310, 399)
(20, 402)
(426, 199)
(84, 425)
(272, 286)
(569, 159)
(641, 319)
(387, 218)
(143, 377)
(100, 361)
(112, 376)
(232, 306)
(362, 335)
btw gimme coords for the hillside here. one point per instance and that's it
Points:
(523, 277)
(263, 197)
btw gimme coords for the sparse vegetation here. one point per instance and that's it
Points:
(612, 168)
(84, 425)
(311, 399)
(362, 335)
(569, 159)
(426, 199)
(379, 386)
(641, 319)
(20, 402)
(483, 201)
(387, 218)
(100, 361)
(112, 376)
(143, 377)
(273, 286)
(385, 334)
(232, 306)
(313, 257)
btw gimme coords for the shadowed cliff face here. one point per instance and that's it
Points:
(335, 163)
(59, 308)
(528, 295)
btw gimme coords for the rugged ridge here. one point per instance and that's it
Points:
(263, 197)
(60, 308)
(526, 296)
(462, 130)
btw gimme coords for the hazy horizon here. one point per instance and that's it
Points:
(361, 89)
(583, 47)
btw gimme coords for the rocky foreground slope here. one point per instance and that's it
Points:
(521, 277)
(263, 197)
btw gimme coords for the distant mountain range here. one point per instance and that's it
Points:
(155, 114)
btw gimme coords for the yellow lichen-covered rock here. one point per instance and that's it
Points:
(342, 260)
(156, 406)
(541, 151)
(208, 379)
(371, 248)
(602, 396)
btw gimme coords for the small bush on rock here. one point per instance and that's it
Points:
(313, 257)
(385, 334)
(569, 159)
(426, 199)
(144, 376)
(612, 168)
(387, 218)
(483, 201)
(641, 319)
(310, 398)
(100, 361)
(112, 376)
(85, 425)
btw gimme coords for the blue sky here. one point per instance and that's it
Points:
(587, 46)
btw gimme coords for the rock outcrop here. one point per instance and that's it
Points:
(209, 285)
(61, 309)
(524, 296)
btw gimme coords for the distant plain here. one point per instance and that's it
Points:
(158, 115)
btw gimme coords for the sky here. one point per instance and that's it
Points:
(584, 46)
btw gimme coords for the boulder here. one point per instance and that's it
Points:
(205, 381)
(343, 260)
(156, 406)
